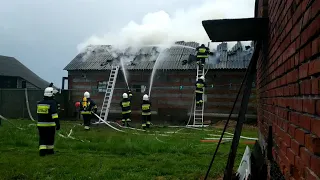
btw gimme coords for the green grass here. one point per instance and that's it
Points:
(111, 155)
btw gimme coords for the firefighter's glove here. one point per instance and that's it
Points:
(95, 110)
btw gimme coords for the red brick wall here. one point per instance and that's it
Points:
(288, 86)
(220, 97)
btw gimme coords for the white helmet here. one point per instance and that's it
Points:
(48, 92)
(124, 95)
(202, 77)
(86, 94)
(145, 97)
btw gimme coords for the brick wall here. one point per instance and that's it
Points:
(288, 85)
(166, 95)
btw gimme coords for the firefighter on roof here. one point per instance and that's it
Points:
(125, 104)
(146, 112)
(48, 122)
(200, 84)
(202, 54)
(87, 106)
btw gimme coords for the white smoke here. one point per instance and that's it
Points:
(185, 24)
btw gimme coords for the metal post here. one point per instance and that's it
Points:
(241, 118)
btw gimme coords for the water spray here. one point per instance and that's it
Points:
(159, 58)
(124, 72)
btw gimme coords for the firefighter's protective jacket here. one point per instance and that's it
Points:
(202, 52)
(125, 104)
(200, 84)
(47, 113)
(87, 105)
(146, 108)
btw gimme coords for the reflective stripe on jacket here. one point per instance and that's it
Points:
(47, 113)
(146, 108)
(125, 104)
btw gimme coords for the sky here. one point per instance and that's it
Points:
(45, 35)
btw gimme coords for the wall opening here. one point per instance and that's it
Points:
(139, 88)
(102, 86)
(23, 84)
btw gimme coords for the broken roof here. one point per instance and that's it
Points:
(177, 57)
(9, 66)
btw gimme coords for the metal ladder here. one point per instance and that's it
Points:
(198, 111)
(108, 95)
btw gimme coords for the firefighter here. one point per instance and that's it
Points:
(200, 84)
(202, 54)
(48, 122)
(125, 104)
(146, 112)
(87, 106)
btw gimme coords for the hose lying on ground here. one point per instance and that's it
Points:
(27, 103)
(107, 123)
(10, 122)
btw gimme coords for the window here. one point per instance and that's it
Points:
(139, 88)
(143, 88)
(24, 84)
(102, 86)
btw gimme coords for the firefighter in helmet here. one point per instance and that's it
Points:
(87, 106)
(146, 112)
(48, 122)
(125, 105)
(202, 53)
(200, 84)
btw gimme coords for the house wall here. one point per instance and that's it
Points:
(20, 82)
(167, 99)
(288, 86)
(8, 82)
(14, 82)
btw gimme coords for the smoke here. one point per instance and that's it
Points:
(162, 28)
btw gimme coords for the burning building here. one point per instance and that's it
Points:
(173, 84)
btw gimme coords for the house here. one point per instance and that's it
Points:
(13, 74)
(172, 92)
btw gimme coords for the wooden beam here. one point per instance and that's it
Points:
(241, 117)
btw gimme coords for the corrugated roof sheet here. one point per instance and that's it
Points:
(103, 58)
(9, 66)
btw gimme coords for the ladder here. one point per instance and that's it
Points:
(108, 95)
(198, 111)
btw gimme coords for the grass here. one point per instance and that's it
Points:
(112, 155)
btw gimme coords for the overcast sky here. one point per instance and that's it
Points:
(44, 34)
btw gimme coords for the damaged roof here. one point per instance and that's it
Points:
(177, 57)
